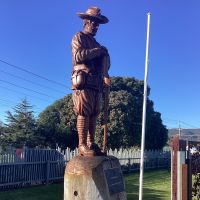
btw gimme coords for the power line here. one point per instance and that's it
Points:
(169, 119)
(34, 74)
(9, 106)
(171, 127)
(19, 77)
(5, 105)
(16, 103)
(7, 100)
(38, 98)
(189, 124)
(175, 121)
(27, 89)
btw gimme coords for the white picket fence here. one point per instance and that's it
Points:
(25, 167)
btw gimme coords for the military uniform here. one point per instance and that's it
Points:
(89, 59)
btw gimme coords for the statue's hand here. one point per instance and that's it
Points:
(107, 81)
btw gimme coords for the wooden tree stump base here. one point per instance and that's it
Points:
(94, 178)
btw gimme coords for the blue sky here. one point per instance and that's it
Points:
(36, 35)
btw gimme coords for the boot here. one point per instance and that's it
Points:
(90, 137)
(82, 127)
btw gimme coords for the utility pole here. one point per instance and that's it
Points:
(179, 128)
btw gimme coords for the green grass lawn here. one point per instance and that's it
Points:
(50, 192)
(156, 187)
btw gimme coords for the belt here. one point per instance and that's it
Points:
(94, 81)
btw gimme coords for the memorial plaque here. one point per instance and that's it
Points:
(114, 180)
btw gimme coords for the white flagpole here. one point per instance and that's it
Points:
(144, 110)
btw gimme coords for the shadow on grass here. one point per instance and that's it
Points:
(148, 194)
(156, 185)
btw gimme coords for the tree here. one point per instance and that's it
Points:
(1, 129)
(57, 124)
(2, 134)
(125, 120)
(124, 124)
(21, 126)
(195, 169)
(156, 132)
(120, 117)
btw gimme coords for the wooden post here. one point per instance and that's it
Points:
(184, 182)
(178, 158)
(174, 167)
(172, 178)
(189, 166)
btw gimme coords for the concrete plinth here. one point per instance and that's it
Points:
(95, 178)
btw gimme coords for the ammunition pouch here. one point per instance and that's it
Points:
(78, 79)
(82, 78)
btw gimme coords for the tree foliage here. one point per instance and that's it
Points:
(57, 123)
(2, 134)
(21, 128)
(125, 119)
(195, 168)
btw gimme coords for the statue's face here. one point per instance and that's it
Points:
(91, 27)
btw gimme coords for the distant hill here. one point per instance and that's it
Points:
(187, 134)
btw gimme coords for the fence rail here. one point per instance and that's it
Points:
(26, 167)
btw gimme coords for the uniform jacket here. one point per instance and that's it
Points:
(86, 50)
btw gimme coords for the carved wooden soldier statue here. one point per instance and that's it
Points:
(91, 62)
